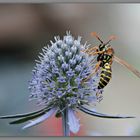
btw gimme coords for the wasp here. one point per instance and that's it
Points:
(105, 57)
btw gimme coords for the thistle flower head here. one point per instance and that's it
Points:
(57, 78)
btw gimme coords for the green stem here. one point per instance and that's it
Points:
(66, 131)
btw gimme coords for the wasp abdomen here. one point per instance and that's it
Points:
(105, 76)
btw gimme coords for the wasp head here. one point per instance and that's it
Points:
(104, 46)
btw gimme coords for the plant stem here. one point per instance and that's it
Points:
(66, 131)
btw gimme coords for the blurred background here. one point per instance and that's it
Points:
(26, 28)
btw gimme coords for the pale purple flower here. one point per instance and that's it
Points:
(65, 70)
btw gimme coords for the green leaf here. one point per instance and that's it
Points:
(96, 114)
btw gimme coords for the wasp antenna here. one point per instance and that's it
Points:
(95, 34)
(112, 37)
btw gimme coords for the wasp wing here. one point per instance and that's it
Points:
(128, 66)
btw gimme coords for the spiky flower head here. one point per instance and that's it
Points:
(57, 77)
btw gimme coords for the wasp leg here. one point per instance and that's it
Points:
(112, 37)
(90, 49)
(94, 53)
(99, 96)
(96, 69)
(95, 35)
(111, 61)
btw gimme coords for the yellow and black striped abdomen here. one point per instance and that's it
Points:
(105, 76)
